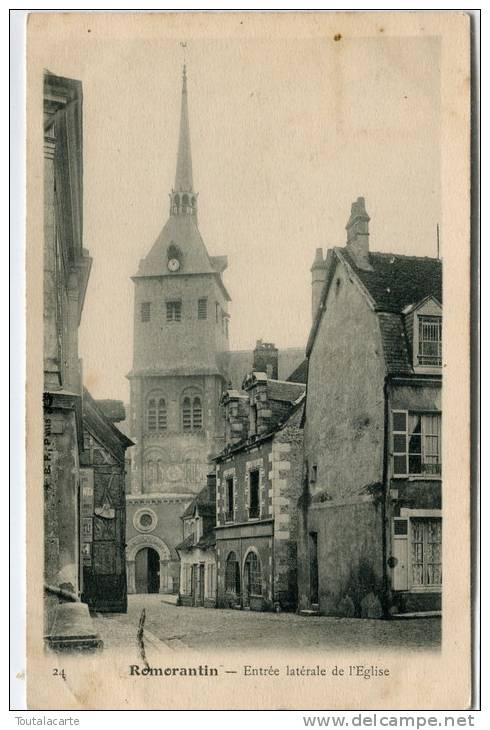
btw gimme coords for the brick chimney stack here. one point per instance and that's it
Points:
(266, 359)
(255, 384)
(236, 411)
(358, 235)
(318, 274)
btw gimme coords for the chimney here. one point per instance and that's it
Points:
(235, 406)
(266, 359)
(318, 274)
(255, 385)
(358, 235)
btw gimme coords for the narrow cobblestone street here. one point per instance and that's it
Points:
(228, 629)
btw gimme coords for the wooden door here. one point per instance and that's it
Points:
(201, 584)
(313, 544)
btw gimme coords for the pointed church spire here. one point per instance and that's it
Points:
(183, 175)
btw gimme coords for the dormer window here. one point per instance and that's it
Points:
(429, 341)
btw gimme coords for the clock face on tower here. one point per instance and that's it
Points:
(173, 264)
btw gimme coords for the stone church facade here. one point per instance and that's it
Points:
(178, 374)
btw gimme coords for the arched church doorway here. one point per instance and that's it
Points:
(147, 571)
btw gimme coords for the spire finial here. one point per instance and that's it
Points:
(183, 175)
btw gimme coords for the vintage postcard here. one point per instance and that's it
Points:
(248, 275)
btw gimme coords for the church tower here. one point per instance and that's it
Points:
(179, 372)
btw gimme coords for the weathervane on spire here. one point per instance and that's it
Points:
(183, 45)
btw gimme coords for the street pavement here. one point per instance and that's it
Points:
(206, 628)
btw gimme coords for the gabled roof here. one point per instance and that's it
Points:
(394, 284)
(283, 390)
(291, 416)
(96, 420)
(300, 374)
(204, 501)
(399, 281)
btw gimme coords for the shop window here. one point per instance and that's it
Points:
(254, 574)
(232, 574)
(426, 564)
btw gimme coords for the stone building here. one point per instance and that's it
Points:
(103, 520)
(66, 272)
(258, 484)
(197, 549)
(179, 372)
(371, 524)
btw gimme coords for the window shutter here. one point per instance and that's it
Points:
(186, 414)
(400, 553)
(145, 311)
(400, 466)
(196, 413)
(202, 308)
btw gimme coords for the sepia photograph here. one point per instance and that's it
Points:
(243, 263)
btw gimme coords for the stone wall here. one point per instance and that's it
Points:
(162, 534)
(344, 430)
(350, 558)
(191, 343)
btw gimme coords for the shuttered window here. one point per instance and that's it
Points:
(202, 308)
(145, 311)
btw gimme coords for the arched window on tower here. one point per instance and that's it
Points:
(176, 203)
(185, 203)
(156, 413)
(196, 413)
(152, 415)
(162, 415)
(186, 414)
(192, 413)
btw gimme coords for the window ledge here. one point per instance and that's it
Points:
(419, 477)
(425, 589)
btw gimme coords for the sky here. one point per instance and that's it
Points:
(285, 136)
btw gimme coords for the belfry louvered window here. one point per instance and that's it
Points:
(186, 414)
(191, 413)
(145, 311)
(162, 415)
(196, 413)
(157, 414)
(202, 308)
(152, 415)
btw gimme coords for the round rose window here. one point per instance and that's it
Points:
(145, 520)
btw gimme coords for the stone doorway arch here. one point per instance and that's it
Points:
(139, 542)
